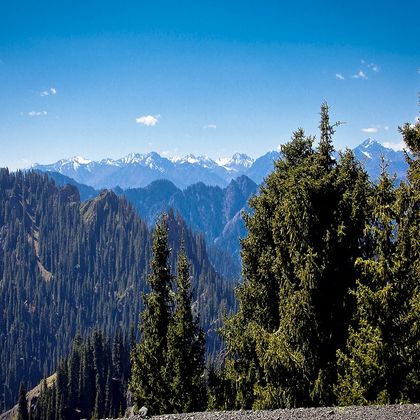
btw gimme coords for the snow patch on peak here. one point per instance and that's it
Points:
(242, 159)
(239, 161)
(190, 159)
(132, 158)
(175, 159)
(109, 162)
(80, 160)
(203, 160)
(369, 142)
(223, 161)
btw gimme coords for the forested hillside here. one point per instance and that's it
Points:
(68, 266)
(211, 211)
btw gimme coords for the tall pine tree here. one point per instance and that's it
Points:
(366, 369)
(185, 371)
(409, 249)
(380, 363)
(148, 384)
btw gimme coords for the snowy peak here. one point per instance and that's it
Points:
(371, 149)
(369, 142)
(80, 160)
(73, 163)
(239, 162)
(131, 158)
(203, 160)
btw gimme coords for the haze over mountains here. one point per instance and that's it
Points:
(139, 170)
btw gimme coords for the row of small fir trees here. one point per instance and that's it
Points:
(90, 383)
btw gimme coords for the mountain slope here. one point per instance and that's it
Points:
(86, 192)
(67, 266)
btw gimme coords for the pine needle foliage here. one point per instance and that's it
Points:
(304, 236)
(185, 364)
(23, 413)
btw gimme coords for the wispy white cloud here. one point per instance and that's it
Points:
(365, 70)
(210, 126)
(360, 75)
(386, 128)
(37, 113)
(374, 67)
(48, 92)
(396, 146)
(370, 130)
(148, 120)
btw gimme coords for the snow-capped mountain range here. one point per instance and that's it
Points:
(139, 170)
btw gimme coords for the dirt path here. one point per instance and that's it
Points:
(386, 412)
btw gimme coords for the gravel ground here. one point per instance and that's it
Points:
(385, 412)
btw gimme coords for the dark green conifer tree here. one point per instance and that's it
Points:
(380, 362)
(148, 384)
(298, 263)
(185, 362)
(61, 395)
(326, 148)
(365, 369)
(23, 413)
(408, 201)
(74, 371)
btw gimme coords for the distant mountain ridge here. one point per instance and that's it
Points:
(139, 170)
(213, 211)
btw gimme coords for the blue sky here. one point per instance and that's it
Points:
(106, 78)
